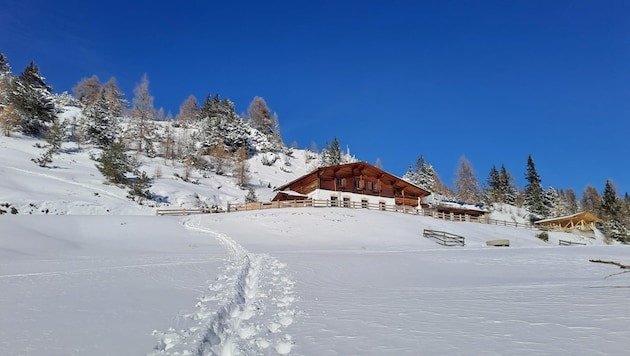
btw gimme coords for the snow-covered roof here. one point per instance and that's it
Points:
(461, 205)
(292, 193)
(584, 215)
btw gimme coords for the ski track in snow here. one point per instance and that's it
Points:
(246, 313)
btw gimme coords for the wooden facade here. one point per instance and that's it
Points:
(359, 178)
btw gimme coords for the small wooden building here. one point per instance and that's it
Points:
(583, 222)
(353, 182)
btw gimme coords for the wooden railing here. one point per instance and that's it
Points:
(511, 223)
(569, 243)
(444, 238)
(187, 211)
(321, 203)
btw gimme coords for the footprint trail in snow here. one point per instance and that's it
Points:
(246, 312)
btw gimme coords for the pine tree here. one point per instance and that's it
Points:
(139, 187)
(534, 193)
(251, 196)
(276, 137)
(5, 68)
(115, 164)
(324, 157)
(610, 206)
(31, 77)
(466, 183)
(508, 189)
(55, 136)
(422, 175)
(493, 193)
(32, 98)
(100, 127)
(553, 202)
(217, 121)
(410, 175)
(614, 221)
(334, 153)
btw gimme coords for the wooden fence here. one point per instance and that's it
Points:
(569, 243)
(321, 203)
(187, 211)
(444, 238)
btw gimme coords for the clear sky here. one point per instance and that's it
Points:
(493, 81)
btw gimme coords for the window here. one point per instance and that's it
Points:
(339, 182)
(374, 186)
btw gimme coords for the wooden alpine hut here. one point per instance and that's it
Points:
(351, 183)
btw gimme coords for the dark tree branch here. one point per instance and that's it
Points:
(622, 266)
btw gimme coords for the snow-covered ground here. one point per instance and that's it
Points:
(305, 281)
(84, 271)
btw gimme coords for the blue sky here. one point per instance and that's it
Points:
(493, 81)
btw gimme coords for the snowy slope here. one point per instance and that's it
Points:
(73, 184)
(307, 281)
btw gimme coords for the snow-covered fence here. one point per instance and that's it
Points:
(444, 238)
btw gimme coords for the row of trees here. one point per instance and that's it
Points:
(500, 187)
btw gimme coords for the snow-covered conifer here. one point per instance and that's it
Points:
(100, 127)
(33, 100)
(217, 121)
(534, 193)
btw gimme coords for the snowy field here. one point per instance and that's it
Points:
(307, 281)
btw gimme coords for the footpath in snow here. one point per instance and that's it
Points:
(246, 311)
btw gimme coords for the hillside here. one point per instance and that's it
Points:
(75, 186)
